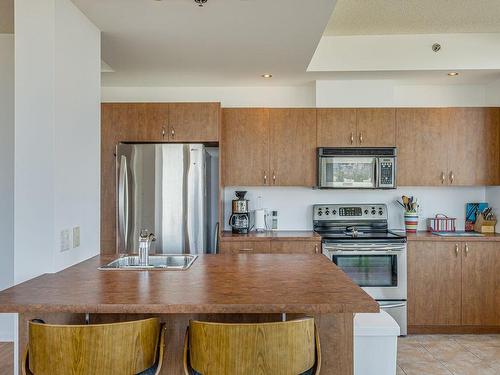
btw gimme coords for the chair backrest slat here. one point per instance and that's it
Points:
(280, 348)
(119, 348)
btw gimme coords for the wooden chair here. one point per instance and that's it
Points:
(281, 348)
(119, 348)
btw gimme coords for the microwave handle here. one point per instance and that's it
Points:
(376, 172)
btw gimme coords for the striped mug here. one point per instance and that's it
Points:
(411, 222)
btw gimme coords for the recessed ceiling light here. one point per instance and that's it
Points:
(453, 74)
(267, 76)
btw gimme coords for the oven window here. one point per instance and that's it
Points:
(369, 270)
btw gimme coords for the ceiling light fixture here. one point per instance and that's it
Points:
(453, 74)
(267, 76)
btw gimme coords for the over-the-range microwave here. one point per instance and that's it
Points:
(357, 168)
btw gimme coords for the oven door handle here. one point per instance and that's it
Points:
(392, 306)
(364, 251)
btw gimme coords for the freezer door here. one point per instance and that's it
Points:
(162, 188)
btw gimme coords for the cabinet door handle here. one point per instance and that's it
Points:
(163, 132)
(173, 132)
(265, 178)
(360, 137)
(274, 177)
(466, 249)
(352, 138)
(456, 249)
(316, 249)
(443, 177)
(452, 177)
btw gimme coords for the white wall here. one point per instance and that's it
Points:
(293, 96)
(294, 204)
(57, 135)
(390, 93)
(6, 175)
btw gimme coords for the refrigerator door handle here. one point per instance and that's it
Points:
(123, 200)
(216, 239)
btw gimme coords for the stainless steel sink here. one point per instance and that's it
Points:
(156, 262)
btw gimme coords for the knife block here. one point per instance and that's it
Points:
(484, 226)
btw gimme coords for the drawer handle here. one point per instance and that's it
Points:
(246, 249)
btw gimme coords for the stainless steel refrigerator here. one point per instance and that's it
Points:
(171, 190)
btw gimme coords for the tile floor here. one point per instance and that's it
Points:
(417, 355)
(449, 355)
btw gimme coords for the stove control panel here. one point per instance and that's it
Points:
(338, 212)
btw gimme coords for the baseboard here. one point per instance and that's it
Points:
(453, 329)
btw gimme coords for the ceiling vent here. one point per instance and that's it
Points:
(200, 2)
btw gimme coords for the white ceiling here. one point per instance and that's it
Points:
(376, 17)
(6, 16)
(226, 42)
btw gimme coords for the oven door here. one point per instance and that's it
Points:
(348, 172)
(380, 269)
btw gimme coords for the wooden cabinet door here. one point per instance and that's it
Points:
(336, 127)
(245, 146)
(193, 122)
(376, 127)
(481, 283)
(422, 138)
(157, 121)
(474, 143)
(293, 146)
(245, 247)
(295, 247)
(434, 283)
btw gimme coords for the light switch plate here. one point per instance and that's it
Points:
(65, 240)
(76, 236)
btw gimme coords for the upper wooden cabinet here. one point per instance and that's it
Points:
(362, 127)
(293, 147)
(422, 141)
(376, 127)
(336, 127)
(434, 283)
(245, 146)
(268, 147)
(448, 146)
(193, 122)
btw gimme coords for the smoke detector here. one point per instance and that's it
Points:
(436, 47)
(200, 2)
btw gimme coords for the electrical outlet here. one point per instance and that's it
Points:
(76, 236)
(65, 240)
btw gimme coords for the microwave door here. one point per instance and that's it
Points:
(353, 172)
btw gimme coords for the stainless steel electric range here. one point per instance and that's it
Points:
(357, 239)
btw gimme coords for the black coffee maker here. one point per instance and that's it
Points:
(240, 219)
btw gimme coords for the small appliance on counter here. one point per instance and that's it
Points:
(240, 218)
(261, 220)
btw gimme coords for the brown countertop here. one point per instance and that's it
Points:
(282, 235)
(254, 283)
(427, 236)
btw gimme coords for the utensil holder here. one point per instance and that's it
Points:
(411, 222)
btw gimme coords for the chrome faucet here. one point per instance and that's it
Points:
(145, 239)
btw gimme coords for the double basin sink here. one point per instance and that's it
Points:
(156, 262)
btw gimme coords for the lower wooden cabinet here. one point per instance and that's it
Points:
(481, 283)
(453, 283)
(434, 295)
(270, 246)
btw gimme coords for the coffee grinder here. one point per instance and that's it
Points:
(240, 219)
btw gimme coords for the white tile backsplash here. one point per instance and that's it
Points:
(294, 204)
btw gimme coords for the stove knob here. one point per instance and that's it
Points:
(334, 212)
(320, 213)
(380, 212)
(373, 212)
(366, 212)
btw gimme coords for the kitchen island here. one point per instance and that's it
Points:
(224, 288)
